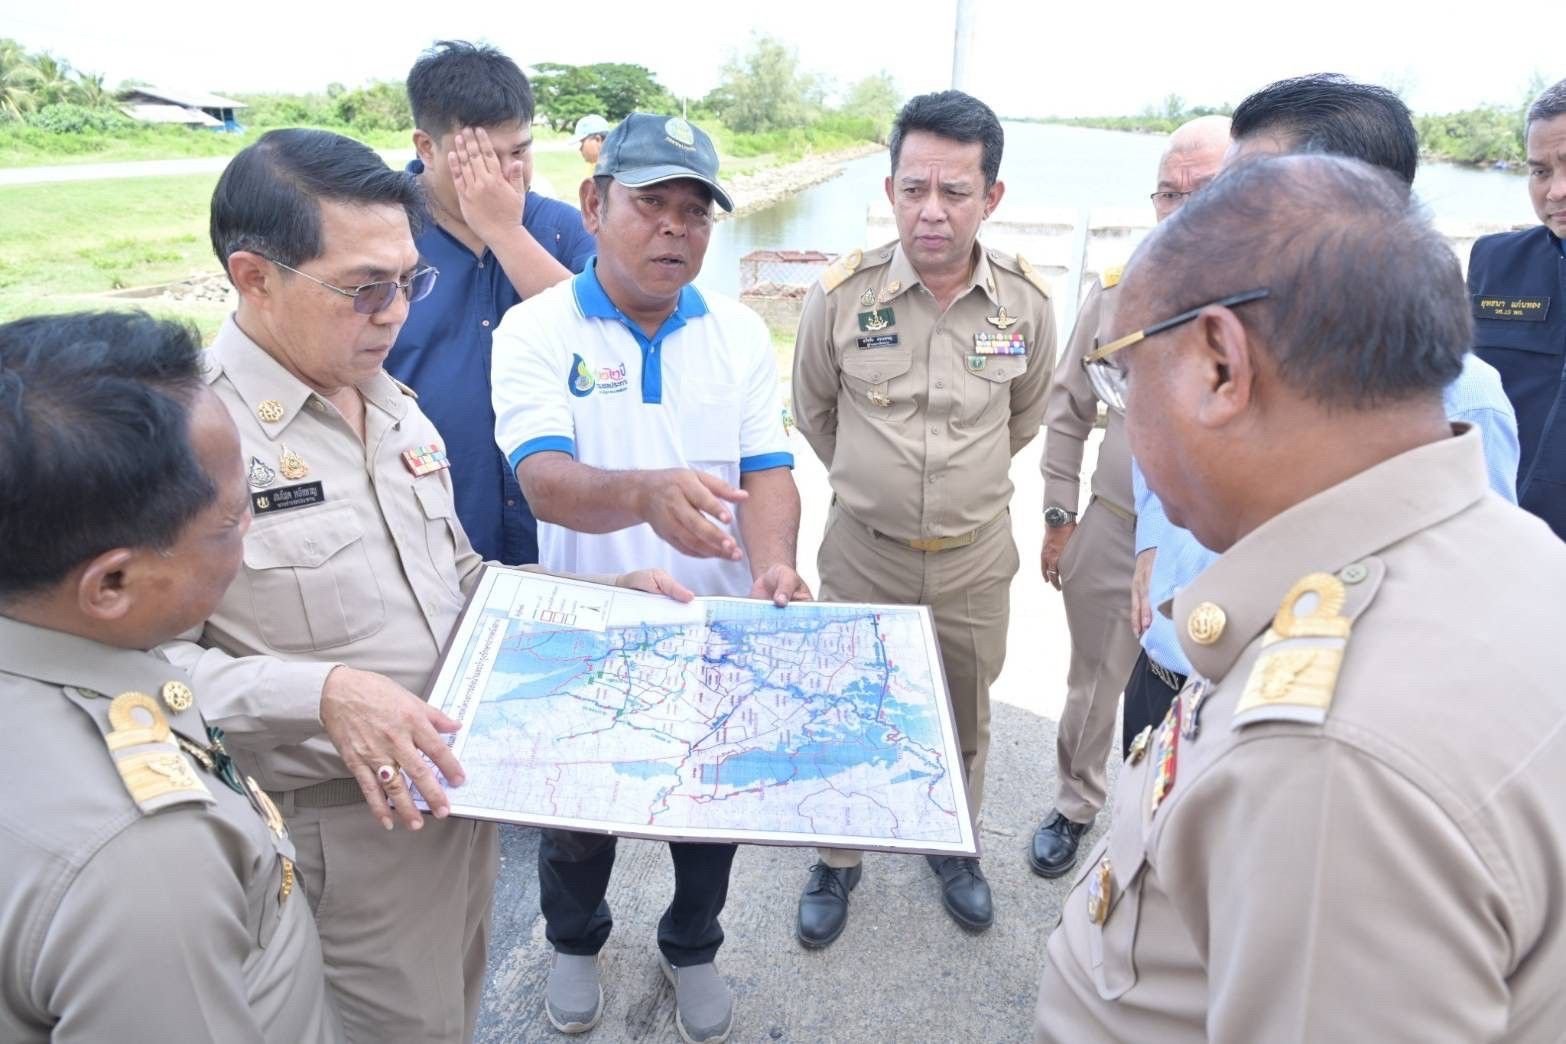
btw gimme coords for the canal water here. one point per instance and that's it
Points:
(1053, 166)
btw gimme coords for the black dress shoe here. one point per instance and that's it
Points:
(964, 891)
(823, 908)
(1055, 844)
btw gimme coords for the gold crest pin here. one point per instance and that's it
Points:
(291, 464)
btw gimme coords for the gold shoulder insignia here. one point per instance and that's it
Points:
(153, 768)
(1111, 276)
(1032, 275)
(1296, 676)
(838, 271)
(409, 392)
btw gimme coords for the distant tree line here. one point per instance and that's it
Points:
(764, 103)
(1490, 135)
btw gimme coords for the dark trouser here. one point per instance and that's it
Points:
(1148, 697)
(573, 877)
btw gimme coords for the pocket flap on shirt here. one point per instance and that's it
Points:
(433, 498)
(876, 365)
(302, 542)
(999, 369)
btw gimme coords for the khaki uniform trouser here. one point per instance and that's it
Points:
(403, 917)
(968, 590)
(1095, 578)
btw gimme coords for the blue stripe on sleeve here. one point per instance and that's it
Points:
(542, 444)
(764, 461)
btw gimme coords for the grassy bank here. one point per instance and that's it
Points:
(68, 244)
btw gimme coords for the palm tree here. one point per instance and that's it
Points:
(90, 91)
(53, 83)
(17, 77)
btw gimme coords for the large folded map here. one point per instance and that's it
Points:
(597, 708)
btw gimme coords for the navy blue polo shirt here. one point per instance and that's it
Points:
(1517, 286)
(443, 353)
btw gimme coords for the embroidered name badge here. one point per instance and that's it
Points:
(425, 460)
(286, 498)
(999, 344)
(878, 341)
(1528, 309)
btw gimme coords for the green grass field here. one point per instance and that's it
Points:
(71, 245)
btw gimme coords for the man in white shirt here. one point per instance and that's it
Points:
(644, 423)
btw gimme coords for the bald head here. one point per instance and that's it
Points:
(1192, 158)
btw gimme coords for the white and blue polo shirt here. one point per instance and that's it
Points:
(573, 374)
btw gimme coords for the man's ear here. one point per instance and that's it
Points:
(103, 587)
(424, 146)
(992, 197)
(1227, 364)
(592, 205)
(251, 274)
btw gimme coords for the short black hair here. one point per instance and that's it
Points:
(1367, 301)
(1550, 103)
(459, 84)
(268, 199)
(95, 449)
(955, 115)
(1332, 114)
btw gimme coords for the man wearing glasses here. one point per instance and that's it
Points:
(1350, 828)
(1093, 581)
(1318, 113)
(355, 570)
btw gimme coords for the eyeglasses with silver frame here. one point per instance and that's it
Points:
(1107, 374)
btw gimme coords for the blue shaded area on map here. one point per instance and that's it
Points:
(860, 725)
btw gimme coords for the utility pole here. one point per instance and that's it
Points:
(962, 44)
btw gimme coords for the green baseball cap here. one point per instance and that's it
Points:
(645, 149)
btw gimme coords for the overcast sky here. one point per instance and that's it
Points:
(1029, 58)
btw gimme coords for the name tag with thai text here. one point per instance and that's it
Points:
(1528, 309)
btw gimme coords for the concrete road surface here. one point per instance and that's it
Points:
(902, 971)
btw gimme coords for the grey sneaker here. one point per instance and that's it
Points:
(574, 998)
(703, 1006)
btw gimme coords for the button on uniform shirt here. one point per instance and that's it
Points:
(574, 375)
(1357, 833)
(351, 559)
(1475, 397)
(443, 353)
(1072, 411)
(926, 409)
(164, 913)
(1517, 287)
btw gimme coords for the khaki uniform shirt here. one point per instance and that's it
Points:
(141, 897)
(1072, 410)
(370, 571)
(925, 412)
(1358, 833)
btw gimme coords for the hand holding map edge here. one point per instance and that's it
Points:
(373, 721)
(655, 581)
(781, 584)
